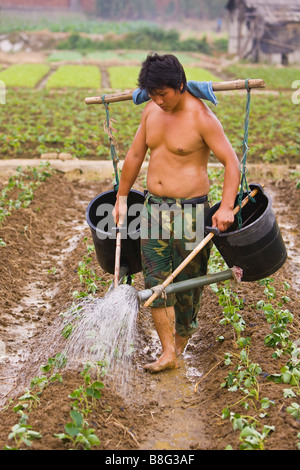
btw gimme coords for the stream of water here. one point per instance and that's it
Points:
(104, 332)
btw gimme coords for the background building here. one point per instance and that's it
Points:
(265, 30)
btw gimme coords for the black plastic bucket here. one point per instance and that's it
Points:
(257, 247)
(99, 217)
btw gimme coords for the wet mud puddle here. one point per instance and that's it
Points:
(176, 425)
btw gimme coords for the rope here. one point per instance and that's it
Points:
(160, 291)
(243, 167)
(109, 131)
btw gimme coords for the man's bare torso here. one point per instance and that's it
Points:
(179, 155)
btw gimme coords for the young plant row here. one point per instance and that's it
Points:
(22, 433)
(77, 431)
(83, 76)
(246, 375)
(19, 190)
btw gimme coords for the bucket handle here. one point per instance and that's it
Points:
(213, 230)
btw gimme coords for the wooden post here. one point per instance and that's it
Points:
(217, 86)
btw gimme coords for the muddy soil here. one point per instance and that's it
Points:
(173, 410)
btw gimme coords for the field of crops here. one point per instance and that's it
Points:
(238, 383)
(61, 121)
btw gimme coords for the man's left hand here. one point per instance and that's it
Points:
(223, 219)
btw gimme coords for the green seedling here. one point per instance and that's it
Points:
(231, 309)
(29, 399)
(250, 437)
(87, 275)
(77, 430)
(78, 433)
(244, 376)
(22, 433)
(23, 184)
(294, 410)
(83, 393)
(279, 320)
(254, 440)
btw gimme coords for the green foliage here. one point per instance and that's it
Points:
(231, 308)
(244, 376)
(75, 76)
(294, 410)
(77, 430)
(174, 10)
(64, 123)
(68, 23)
(19, 191)
(123, 76)
(200, 74)
(221, 44)
(129, 9)
(24, 75)
(273, 134)
(147, 38)
(253, 439)
(64, 56)
(22, 433)
(275, 77)
(87, 275)
(78, 433)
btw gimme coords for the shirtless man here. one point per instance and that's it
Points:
(180, 131)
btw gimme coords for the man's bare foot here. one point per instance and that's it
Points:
(180, 343)
(164, 362)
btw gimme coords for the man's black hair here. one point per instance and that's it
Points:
(159, 71)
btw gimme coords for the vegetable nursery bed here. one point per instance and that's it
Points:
(46, 256)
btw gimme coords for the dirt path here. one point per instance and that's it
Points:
(44, 244)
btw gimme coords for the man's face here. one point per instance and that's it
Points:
(166, 98)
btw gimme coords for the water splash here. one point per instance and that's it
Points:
(104, 332)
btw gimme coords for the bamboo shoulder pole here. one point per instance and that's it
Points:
(195, 251)
(217, 86)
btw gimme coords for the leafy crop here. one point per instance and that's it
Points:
(87, 275)
(126, 76)
(273, 136)
(64, 56)
(200, 74)
(78, 431)
(123, 77)
(75, 76)
(64, 123)
(275, 77)
(24, 75)
(19, 191)
(22, 433)
(145, 38)
(245, 377)
(68, 23)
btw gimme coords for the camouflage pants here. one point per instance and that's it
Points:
(169, 232)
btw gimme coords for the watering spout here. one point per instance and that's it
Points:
(190, 283)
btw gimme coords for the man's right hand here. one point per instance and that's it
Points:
(120, 210)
